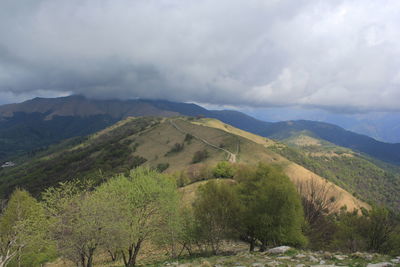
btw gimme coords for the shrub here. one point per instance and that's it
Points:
(162, 167)
(200, 156)
(178, 147)
(223, 170)
(188, 138)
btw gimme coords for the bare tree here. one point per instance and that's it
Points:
(317, 198)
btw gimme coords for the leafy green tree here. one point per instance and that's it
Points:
(378, 228)
(136, 208)
(394, 241)
(271, 211)
(22, 229)
(216, 211)
(348, 236)
(223, 170)
(77, 221)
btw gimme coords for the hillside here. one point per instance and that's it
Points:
(338, 136)
(35, 124)
(350, 170)
(166, 144)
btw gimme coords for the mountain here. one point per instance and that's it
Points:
(352, 171)
(183, 146)
(383, 151)
(37, 123)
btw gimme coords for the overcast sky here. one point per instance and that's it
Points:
(336, 55)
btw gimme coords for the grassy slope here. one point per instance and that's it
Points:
(352, 171)
(295, 172)
(136, 141)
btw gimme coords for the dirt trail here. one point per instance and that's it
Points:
(231, 156)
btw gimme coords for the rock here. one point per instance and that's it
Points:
(322, 262)
(380, 264)
(300, 256)
(313, 259)
(300, 265)
(278, 250)
(340, 257)
(397, 260)
(257, 264)
(362, 255)
(284, 258)
(319, 265)
(274, 263)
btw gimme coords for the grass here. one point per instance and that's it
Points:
(146, 141)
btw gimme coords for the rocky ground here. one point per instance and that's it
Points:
(285, 256)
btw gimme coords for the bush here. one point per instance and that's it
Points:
(175, 149)
(162, 167)
(223, 170)
(188, 138)
(200, 156)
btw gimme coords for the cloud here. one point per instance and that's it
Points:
(332, 55)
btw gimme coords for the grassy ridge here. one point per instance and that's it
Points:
(347, 169)
(153, 142)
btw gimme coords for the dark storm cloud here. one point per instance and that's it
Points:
(337, 55)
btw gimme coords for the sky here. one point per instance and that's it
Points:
(335, 56)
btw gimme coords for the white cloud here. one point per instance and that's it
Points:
(226, 52)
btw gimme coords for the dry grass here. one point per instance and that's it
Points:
(305, 140)
(251, 153)
(214, 123)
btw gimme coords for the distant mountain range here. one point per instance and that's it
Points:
(34, 124)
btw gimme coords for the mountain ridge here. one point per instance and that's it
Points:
(77, 107)
(152, 141)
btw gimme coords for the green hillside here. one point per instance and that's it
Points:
(351, 171)
(175, 145)
(37, 123)
(156, 142)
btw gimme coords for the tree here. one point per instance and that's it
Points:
(378, 229)
(216, 211)
(348, 236)
(316, 198)
(136, 209)
(22, 228)
(77, 221)
(223, 170)
(318, 203)
(271, 210)
(200, 156)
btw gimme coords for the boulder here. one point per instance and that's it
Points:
(312, 258)
(340, 257)
(278, 250)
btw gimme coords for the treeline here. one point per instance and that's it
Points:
(255, 204)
